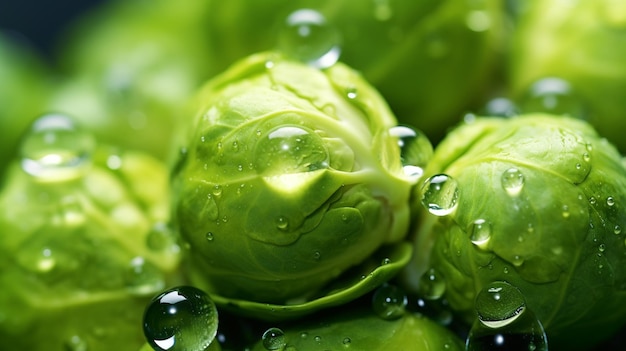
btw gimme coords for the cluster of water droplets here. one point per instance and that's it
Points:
(505, 322)
(181, 318)
(56, 149)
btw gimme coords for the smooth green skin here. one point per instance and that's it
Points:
(360, 329)
(66, 254)
(23, 91)
(230, 186)
(583, 43)
(420, 55)
(128, 69)
(555, 241)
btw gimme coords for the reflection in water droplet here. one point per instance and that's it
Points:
(389, 302)
(308, 37)
(415, 149)
(512, 181)
(480, 233)
(274, 339)
(54, 149)
(440, 194)
(180, 319)
(505, 323)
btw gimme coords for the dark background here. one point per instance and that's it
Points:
(38, 22)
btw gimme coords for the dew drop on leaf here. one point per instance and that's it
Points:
(55, 149)
(432, 285)
(389, 302)
(512, 181)
(480, 233)
(181, 319)
(440, 194)
(415, 150)
(308, 37)
(274, 339)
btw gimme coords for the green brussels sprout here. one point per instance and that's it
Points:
(288, 177)
(413, 52)
(582, 44)
(360, 329)
(127, 74)
(85, 241)
(534, 201)
(22, 93)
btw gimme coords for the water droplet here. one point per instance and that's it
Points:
(617, 229)
(432, 285)
(317, 255)
(274, 339)
(308, 37)
(415, 150)
(181, 319)
(346, 341)
(499, 304)
(389, 302)
(500, 107)
(553, 95)
(55, 149)
(601, 248)
(565, 211)
(610, 201)
(210, 237)
(289, 150)
(282, 223)
(385, 261)
(217, 190)
(440, 194)
(512, 181)
(592, 200)
(352, 93)
(480, 233)
(504, 322)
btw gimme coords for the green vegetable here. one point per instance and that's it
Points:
(289, 177)
(431, 60)
(535, 201)
(583, 44)
(360, 330)
(85, 241)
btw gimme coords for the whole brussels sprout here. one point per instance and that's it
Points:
(84, 241)
(413, 52)
(289, 176)
(582, 44)
(534, 201)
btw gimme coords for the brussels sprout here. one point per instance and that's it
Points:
(431, 60)
(360, 329)
(537, 202)
(84, 242)
(289, 177)
(22, 93)
(128, 74)
(581, 43)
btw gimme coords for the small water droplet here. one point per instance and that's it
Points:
(565, 211)
(415, 150)
(351, 93)
(432, 285)
(553, 95)
(440, 195)
(512, 181)
(346, 341)
(317, 255)
(601, 248)
(389, 302)
(480, 233)
(317, 338)
(76, 343)
(282, 223)
(274, 339)
(180, 319)
(617, 229)
(385, 261)
(500, 107)
(610, 201)
(210, 237)
(55, 149)
(499, 304)
(592, 200)
(308, 37)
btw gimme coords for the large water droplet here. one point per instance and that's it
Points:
(480, 233)
(291, 149)
(440, 194)
(55, 149)
(389, 302)
(415, 149)
(504, 322)
(432, 285)
(181, 319)
(274, 339)
(512, 181)
(308, 37)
